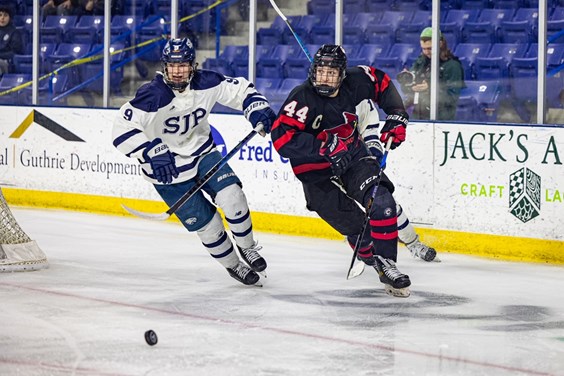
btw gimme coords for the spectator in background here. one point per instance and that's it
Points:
(96, 7)
(416, 82)
(62, 8)
(11, 42)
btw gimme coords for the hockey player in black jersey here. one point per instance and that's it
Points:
(328, 129)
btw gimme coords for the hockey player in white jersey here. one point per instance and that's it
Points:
(165, 126)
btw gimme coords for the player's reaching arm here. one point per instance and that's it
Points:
(387, 97)
(238, 93)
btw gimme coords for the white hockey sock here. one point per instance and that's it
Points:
(233, 202)
(406, 232)
(217, 243)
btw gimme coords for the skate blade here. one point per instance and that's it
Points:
(261, 281)
(398, 293)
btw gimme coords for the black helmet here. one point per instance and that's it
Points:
(178, 51)
(329, 55)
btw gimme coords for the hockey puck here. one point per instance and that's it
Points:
(151, 338)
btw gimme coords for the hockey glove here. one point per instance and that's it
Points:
(394, 126)
(161, 160)
(336, 152)
(377, 151)
(259, 112)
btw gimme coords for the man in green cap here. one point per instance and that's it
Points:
(416, 82)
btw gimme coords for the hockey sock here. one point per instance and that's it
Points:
(233, 202)
(406, 232)
(217, 243)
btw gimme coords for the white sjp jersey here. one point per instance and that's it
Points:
(180, 120)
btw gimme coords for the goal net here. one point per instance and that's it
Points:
(17, 251)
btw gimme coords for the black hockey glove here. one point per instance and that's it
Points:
(161, 160)
(336, 152)
(395, 126)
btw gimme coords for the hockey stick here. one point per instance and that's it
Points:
(298, 39)
(355, 272)
(199, 184)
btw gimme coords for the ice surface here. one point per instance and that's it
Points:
(113, 278)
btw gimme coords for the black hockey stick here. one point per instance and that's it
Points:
(296, 36)
(199, 184)
(355, 273)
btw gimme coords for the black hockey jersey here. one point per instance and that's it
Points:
(296, 133)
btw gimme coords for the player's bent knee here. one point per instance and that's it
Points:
(232, 199)
(384, 205)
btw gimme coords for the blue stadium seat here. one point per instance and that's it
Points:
(321, 34)
(303, 28)
(411, 5)
(421, 17)
(296, 68)
(485, 28)
(454, 21)
(136, 8)
(240, 64)
(273, 66)
(320, 7)
(554, 54)
(54, 28)
(522, 28)
(273, 35)
(279, 96)
(496, 64)
(474, 4)
(353, 35)
(487, 97)
(506, 4)
(378, 6)
(467, 53)
(379, 34)
(409, 33)
(219, 65)
(353, 6)
(395, 18)
(151, 32)
(48, 89)
(121, 28)
(88, 29)
(95, 67)
(23, 63)
(65, 53)
(402, 53)
(266, 86)
(368, 53)
(9, 81)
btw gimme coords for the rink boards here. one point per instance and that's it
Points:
(494, 190)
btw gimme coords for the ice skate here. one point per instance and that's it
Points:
(253, 258)
(395, 282)
(422, 251)
(244, 274)
(366, 257)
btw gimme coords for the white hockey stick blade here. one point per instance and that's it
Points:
(356, 270)
(153, 216)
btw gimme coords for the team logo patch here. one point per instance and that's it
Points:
(524, 194)
(191, 221)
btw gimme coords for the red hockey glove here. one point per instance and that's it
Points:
(394, 126)
(336, 152)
